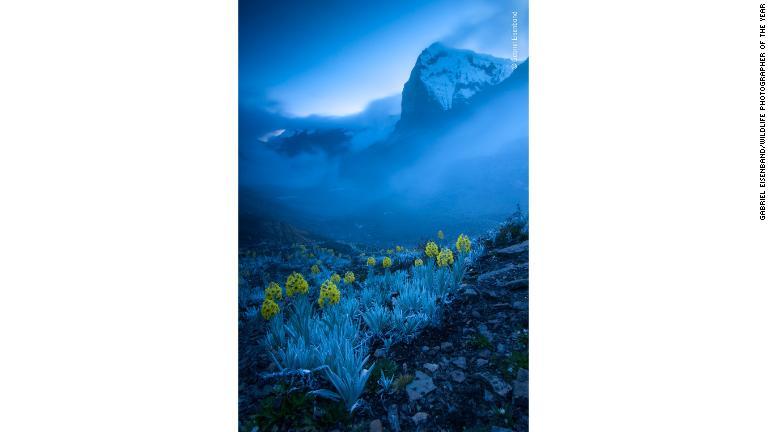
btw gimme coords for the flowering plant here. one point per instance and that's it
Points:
(273, 291)
(329, 293)
(431, 249)
(445, 257)
(349, 277)
(463, 244)
(269, 309)
(296, 284)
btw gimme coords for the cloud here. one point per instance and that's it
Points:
(492, 33)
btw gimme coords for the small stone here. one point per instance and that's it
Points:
(376, 426)
(520, 390)
(460, 362)
(446, 346)
(476, 314)
(500, 348)
(522, 375)
(421, 385)
(500, 429)
(430, 367)
(520, 305)
(424, 348)
(470, 292)
(485, 353)
(420, 417)
(521, 384)
(458, 376)
(483, 329)
(497, 384)
(481, 362)
(487, 396)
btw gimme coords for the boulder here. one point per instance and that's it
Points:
(421, 385)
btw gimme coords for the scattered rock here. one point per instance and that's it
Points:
(446, 346)
(485, 353)
(424, 348)
(476, 314)
(514, 249)
(500, 348)
(430, 367)
(521, 384)
(419, 417)
(497, 384)
(460, 362)
(483, 329)
(520, 305)
(376, 426)
(509, 277)
(458, 376)
(481, 362)
(487, 396)
(421, 385)
(522, 375)
(516, 284)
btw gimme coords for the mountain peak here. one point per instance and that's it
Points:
(445, 77)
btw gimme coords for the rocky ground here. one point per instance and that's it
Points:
(472, 373)
(469, 374)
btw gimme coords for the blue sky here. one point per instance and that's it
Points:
(333, 57)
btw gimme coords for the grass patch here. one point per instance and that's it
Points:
(480, 342)
(286, 409)
(508, 365)
(402, 381)
(382, 365)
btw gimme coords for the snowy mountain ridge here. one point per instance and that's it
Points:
(452, 76)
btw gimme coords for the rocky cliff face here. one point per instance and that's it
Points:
(445, 78)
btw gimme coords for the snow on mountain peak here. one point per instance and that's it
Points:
(452, 75)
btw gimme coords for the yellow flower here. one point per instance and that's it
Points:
(390, 251)
(440, 234)
(296, 284)
(371, 261)
(269, 309)
(349, 277)
(418, 262)
(315, 269)
(463, 244)
(399, 248)
(387, 262)
(431, 249)
(329, 293)
(273, 291)
(335, 278)
(445, 257)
